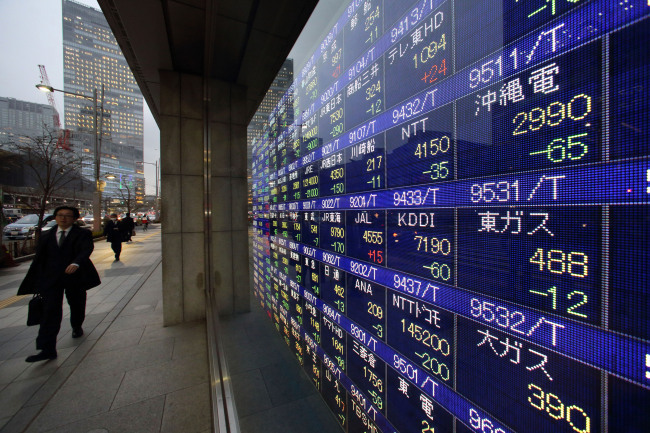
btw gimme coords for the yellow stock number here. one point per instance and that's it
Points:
(373, 237)
(375, 310)
(428, 52)
(426, 337)
(373, 90)
(433, 245)
(432, 147)
(577, 108)
(553, 406)
(337, 173)
(558, 262)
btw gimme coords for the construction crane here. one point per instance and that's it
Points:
(64, 135)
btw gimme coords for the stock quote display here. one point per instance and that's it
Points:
(452, 208)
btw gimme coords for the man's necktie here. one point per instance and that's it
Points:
(61, 238)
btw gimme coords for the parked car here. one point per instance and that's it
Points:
(25, 227)
(52, 223)
(83, 225)
(48, 225)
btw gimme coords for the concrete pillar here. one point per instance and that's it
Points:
(184, 177)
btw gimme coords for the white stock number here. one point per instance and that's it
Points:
(490, 312)
(483, 425)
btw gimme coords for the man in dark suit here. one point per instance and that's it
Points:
(61, 264)
(114, 235)
(128, 225)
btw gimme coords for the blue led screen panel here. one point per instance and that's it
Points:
(452, 216)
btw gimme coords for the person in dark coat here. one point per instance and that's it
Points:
(114, 235)
(61, 264)
(128, 225)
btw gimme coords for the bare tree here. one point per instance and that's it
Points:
(127, 194)
(51, 166)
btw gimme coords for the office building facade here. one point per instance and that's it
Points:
(93, 61)
(263, 121)
(21, 119)
(278, 88)
(21, 123)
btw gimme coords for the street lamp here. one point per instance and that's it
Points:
(102, 182)
(97, 197)
(155, 203)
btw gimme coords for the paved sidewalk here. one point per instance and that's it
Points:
(130, 374)
(126, 374)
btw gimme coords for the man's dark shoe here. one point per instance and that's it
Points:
(77, 332)
(42, 356)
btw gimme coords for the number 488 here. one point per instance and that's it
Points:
(559, 262)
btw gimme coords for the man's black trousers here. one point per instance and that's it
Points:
(53, 314)
(117, 248)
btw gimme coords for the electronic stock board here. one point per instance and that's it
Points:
(452, 224)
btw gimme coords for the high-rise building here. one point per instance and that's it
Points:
(273, 102)
(93, 61)
(20, 119)
(270, 102)
(22, 124)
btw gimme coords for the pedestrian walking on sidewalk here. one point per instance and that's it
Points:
(128, 226)
(61, 264)
(113, 233)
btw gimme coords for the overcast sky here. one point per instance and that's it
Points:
(31, 35)
(319, 24)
